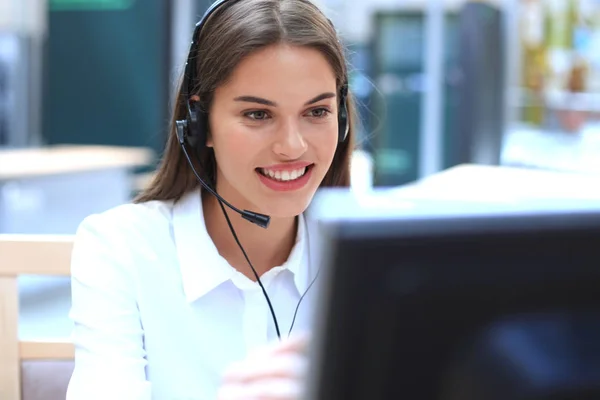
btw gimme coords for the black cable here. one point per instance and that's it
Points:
(252, 267)
(222, 203)
(300, 301)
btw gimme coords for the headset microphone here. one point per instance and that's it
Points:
(256, 218)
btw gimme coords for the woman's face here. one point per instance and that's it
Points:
(274, 130)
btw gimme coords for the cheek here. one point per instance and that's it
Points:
(233, 152)
(326, 145)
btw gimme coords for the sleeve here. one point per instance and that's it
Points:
(107, 335)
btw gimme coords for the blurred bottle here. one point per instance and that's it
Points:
(561, 21)
(574, 116)
(576, 82)
(589, 34)
(534, 60)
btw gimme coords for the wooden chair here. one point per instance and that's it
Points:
(32, 370)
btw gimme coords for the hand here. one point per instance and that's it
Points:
(276, 372)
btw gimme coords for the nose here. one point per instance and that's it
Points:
(290, 142)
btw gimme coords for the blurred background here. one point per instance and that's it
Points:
(86, 88)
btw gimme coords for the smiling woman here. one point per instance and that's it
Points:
(175, 296)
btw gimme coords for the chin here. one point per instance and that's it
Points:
(286, 208)
(279, 203)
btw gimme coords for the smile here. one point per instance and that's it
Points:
(285, 180)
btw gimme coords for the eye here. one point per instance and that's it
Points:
(319, 112)
(257, 115)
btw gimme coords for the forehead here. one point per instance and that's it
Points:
(282, 70)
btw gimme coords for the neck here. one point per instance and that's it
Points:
(266, 248)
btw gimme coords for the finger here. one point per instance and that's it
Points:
(269, 389)
(294, 344)
(282, 366)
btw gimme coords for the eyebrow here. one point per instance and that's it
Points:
(259, 100)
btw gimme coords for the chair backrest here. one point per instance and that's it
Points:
(34, 369)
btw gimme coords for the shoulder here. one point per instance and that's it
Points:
(123, 234)
(130, 220)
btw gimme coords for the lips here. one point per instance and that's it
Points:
(285, 178)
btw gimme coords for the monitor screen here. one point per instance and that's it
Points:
(449, 300)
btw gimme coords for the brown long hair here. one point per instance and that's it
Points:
(231, 33)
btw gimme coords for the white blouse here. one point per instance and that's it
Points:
(159, 314)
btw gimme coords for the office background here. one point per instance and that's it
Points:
(86, 87)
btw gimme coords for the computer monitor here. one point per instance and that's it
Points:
(449, 300)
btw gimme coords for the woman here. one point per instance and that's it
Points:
(166, 303)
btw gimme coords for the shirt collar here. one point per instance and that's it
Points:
(203, 268)
(301, 262)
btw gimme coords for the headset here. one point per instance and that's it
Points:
(192, 132)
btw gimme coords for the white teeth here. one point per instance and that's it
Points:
(284, 175)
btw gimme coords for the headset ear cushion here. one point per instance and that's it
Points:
(197, 122)
(343, 126)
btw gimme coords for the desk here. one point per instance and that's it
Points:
(51, 189)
